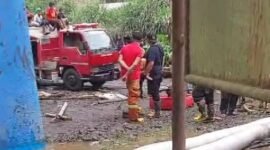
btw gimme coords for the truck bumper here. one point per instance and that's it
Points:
(109, 76)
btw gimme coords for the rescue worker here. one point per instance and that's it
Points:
(129, 59)
(204, 96)
(228, 104)
(153, 72)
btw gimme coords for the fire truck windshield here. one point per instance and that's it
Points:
(98, 41)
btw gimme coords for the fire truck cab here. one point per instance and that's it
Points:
(83, 53)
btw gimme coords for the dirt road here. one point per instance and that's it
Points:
(104, 122)
(93, 122)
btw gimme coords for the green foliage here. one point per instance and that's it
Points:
(145, 16)
(34, 4)
(164, 41)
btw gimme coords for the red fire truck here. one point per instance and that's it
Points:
(82, 53)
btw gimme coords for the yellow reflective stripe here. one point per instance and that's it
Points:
(133, 107)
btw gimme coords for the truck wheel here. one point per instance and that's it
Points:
(72, 80)
(97, 85)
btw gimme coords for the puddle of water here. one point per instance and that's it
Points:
(71, 146)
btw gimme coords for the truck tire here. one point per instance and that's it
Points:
(97, 85)
(72, 80)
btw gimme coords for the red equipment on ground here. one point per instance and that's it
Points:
(167, 101)
(82, 53)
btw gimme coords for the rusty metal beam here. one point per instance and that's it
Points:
(179, 48)
(230, 87)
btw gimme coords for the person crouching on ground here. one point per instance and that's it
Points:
(153, 72)
(201, 97)
(129, 59)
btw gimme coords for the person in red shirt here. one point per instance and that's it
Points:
(51, 15)
(129, 59)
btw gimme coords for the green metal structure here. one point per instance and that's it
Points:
(229, 46)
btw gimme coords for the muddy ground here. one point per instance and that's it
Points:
(104, 122)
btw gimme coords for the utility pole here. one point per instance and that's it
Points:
(20, 117)
(179, 48)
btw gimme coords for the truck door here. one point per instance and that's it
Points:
(74, 53)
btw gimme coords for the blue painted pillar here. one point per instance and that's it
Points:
(20, 116)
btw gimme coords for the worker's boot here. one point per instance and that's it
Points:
(210, 113)
(156, 112)
(201, 116)
(157, 109)
(133, 114)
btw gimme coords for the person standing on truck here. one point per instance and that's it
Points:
(228, 104)
(51, 14)
(129, 59)
(204, 96)
(153, 72)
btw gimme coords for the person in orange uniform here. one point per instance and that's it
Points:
(129, 59)
(51, 14)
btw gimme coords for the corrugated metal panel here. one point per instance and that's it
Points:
(230, 40)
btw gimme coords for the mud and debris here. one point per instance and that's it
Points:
(104, 122)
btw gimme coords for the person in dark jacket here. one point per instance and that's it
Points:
(153, 72)
(204, 96)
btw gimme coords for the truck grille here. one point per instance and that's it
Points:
(106, 68)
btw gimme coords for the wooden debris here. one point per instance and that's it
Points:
(247, 109)
(60, 115)
(110, 98)
(110, 101)
(43, 94)
(55, 116)
(63, 109)
(85, 97)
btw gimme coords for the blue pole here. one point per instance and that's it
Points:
(20, 116)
